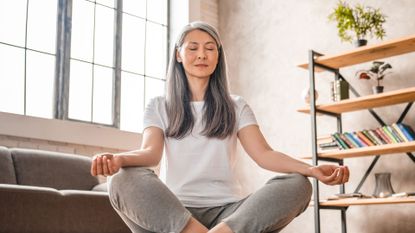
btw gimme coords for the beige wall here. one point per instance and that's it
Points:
(264, 41)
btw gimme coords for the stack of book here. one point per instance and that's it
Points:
(395, 133)
(339, 90)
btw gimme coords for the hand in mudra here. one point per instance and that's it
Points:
(331, 174)
(105, 164)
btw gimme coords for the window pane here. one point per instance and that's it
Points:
(13, 22)
(40, 77)
(133, 44)
(156, 53)
(132, 102)
(154, 87)
(104, 35)
(41, 27)
(157, 11)
(102, 100)
(109, 3)
(80, 91)
(135, 7)
(82, 30)
(11, 79)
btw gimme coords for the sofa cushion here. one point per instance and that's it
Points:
(7, 175)
(52, 169)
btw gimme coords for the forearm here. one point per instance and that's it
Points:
(138, 158)
(280, 162)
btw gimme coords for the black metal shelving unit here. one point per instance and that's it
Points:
(312, 65)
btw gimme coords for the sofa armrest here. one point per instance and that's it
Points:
(40, 209)
(28, 208)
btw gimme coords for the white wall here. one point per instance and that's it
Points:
(264, 42)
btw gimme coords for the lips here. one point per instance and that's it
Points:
(201, 65)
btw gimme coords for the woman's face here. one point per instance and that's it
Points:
(198, 54)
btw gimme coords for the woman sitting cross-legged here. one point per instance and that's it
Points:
(196, 125)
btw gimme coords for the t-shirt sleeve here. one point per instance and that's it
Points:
(152, 115)
(246, 115)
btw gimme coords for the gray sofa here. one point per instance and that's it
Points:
(46, 192)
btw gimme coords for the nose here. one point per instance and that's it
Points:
(201, 54)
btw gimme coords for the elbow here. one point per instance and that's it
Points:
(155, 161)
(261, 163)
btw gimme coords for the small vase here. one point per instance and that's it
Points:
(383, 185)
(306, 95)
(377, 89)
(360, 42)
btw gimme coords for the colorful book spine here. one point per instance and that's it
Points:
(383, 135)
(366, 133)
(339, 146)
(340, 141)
(406, 131)
(364, 138)
(375, 137)
(392, 131)
(379, 136)
(400, 133)
(389, 134)
(354, 139)
(362, 143)
(346, 140)
(396, 134)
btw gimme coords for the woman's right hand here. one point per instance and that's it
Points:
(106, 164)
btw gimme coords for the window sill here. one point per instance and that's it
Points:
(67, 132)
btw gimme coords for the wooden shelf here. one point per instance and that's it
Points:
(368, 201)
(367, 53)
(401, 147)
(367, 102)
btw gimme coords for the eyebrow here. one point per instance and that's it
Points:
(209, 42)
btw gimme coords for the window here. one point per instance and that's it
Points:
(92, 62)
(27, 57)
(117, 62)
(144, 42)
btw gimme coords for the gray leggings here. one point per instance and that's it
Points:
(146, 204)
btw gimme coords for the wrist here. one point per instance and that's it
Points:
(120, 158)
(309, 171)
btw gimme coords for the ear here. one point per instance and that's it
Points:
(178, 58)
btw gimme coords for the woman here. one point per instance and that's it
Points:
(197, 124)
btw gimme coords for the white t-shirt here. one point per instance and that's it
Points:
(200, 170)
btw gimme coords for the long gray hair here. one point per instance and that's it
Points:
(218, 112)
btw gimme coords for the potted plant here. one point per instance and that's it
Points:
(377, 71)
(358, 22)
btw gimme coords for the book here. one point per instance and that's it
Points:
(346, 140)
(382, 134)
(348, 195)
(355, 141)
(328, 144)
(324, 139)
(406, 130)
(389, 134)
(379, 136)
(375, 137)
(399, 132)
(362, 143)
(340, 141)
(366, 133)
(364, 138)
(394, 135)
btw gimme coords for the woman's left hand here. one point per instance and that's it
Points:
(330, 174)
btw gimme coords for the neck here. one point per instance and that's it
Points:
(198, 88)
